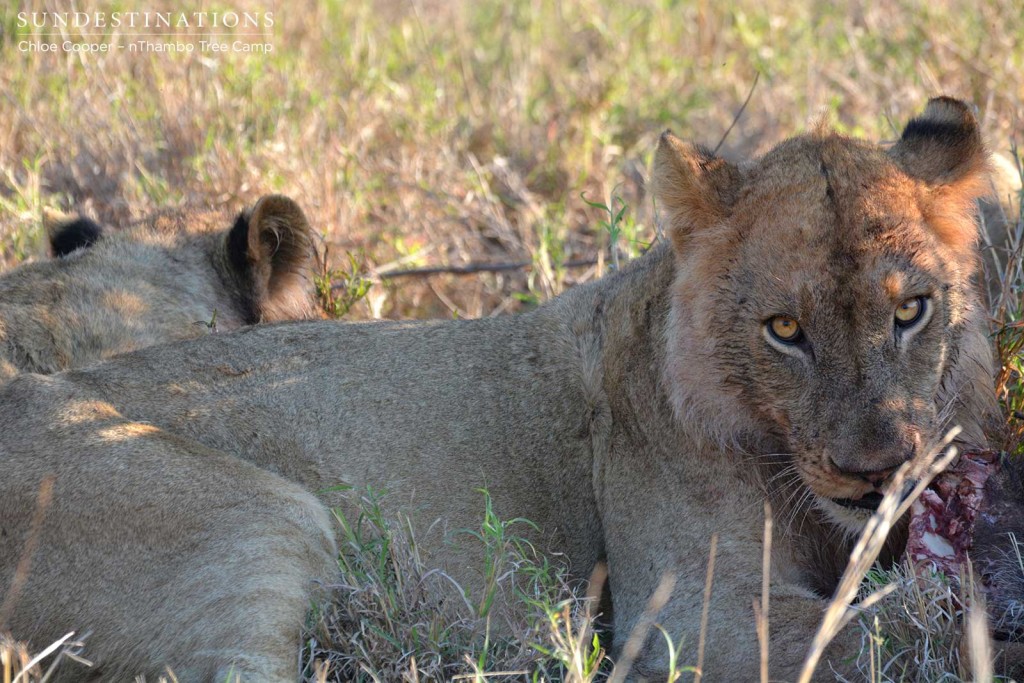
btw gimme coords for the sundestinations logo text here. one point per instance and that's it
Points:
(145, 31)
(149, 20)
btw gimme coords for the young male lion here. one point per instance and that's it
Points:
(810, 325)
(157, 281)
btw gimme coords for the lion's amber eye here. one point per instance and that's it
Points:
(785, 329)
(910, 311)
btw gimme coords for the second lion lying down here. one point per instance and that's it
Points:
(810, 326)
(155, 282)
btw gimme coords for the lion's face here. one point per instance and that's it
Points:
(827, 300)
(174, 279)
(846, 307)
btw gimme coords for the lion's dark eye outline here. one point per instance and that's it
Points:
(922, 307)
(795, 339)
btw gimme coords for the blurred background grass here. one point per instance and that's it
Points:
(426, 132)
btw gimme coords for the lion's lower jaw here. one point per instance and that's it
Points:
(849, 520)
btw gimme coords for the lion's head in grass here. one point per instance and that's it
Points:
(175, 276)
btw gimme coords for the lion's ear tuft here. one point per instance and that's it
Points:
(271, 248)
(943, 149)
(694, 188)
(69, 233)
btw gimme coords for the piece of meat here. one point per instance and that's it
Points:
(975, 511)
(942, 520)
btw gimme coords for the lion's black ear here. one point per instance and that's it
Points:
(69, 233)
(943, 145)
(695, 188)
(943, 149)
(271, 250)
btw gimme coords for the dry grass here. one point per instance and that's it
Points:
(18, 665)
(424, 133)
(392, 616)
(421, 132)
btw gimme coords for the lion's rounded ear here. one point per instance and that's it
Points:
(943, 149)
(271, 249)
(693, 187)
(69, 233)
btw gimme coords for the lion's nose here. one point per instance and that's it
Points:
(871, 473)
(875, 466)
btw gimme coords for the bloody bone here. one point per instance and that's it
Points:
(943, 519)
(974, 511)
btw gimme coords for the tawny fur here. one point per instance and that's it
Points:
(630, 419)
(157, 281)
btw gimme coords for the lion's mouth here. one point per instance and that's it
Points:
(869, 501)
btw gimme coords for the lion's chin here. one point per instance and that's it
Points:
(849, 519)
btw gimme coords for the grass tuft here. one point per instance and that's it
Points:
(394, 616)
